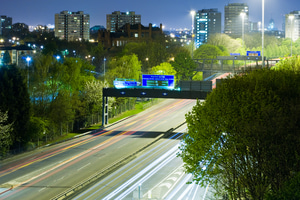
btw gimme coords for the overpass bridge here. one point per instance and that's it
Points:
(188, 90)
(220, 64)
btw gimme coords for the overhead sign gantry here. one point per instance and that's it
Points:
(157, 89)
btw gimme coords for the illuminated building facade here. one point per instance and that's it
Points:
(236, 16)
(5, 25)
(129, 33)
(292, 25)
(16, 53)
(207, 23)
(72, 26)
(118, 19)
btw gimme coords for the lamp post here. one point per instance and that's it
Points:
(291, 17)
(243, 27)
(28, 59)
(193, 14)
(104, 66)
(263, 33)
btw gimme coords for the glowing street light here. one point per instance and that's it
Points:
(243, 27)
(291, 17)
(263, 32)
(104, 65)
(28, 59)
(193, 15)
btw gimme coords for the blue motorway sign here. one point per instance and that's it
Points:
(235, 54)
(161, 81)
(253, 53)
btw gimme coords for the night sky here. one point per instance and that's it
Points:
(171, 13)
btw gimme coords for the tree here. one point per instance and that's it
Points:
(292, 63)
(5, 133)
(15, 99)
(98, 54)
(37, 128)
(57, 90)
(245, 136)
(141, 50)
(6, 58)
(226, 41)
(163, 68)
(40, 84)
(184, 65)
(127, 66)
(92, 95)
(207, 51)
(290, 190)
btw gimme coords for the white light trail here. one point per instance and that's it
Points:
(145, 156)
(160, 162)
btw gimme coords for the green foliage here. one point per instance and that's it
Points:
(292, 63)
(273, 47)
(207, 51)
(5, 133)
(163, 68)
(289, 191)
(37, 128)
(184, 65)
(245, 136)
(98, 53)
(58, 90)
(127, 66)
(92, 95)
(198, 76)
(6, 58)
(223, 40)
(150, 53)
(15, 99)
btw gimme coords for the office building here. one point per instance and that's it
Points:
(118, 19)
(5, 25)
(72, 26)
(292, 25)
(207, 22)
(236, 19)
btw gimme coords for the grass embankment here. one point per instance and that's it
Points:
(139, 107)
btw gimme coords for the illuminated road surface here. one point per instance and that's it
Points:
(155, 174)
(47, 172)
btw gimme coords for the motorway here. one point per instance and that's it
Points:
(49, 171)
(155, 174)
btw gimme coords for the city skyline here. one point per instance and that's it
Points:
(172, 14)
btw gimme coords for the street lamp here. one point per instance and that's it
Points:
(28, 59)
(243, 27)
(263, 33)
(193, 14)
(104, 65)
(291, 17)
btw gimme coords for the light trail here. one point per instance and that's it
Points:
(159, 163)
(78, 157)
(137, 161)
(174, 192)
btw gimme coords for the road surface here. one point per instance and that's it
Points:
(49, 171)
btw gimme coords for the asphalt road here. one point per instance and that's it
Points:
(155, 174)
(47, 172)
